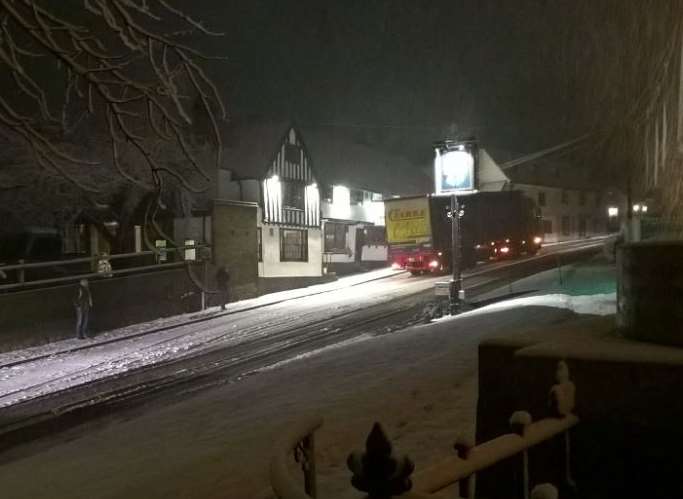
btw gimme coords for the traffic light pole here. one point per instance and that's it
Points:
(456, 284)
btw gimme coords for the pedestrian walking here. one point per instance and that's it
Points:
(83, 304)
(222, 280)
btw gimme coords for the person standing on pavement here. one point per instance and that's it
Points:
(83, 304)
(222, 280)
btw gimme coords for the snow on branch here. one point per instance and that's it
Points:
(121, 62)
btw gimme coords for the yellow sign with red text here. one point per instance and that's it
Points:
(407, 220)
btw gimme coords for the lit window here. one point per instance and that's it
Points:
(293, 195)
(335, 237)
(293, 245)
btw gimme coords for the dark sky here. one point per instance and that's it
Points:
(494, 68)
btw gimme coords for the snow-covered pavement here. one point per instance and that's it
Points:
(420, 383)
(59, 366)
(70, 363)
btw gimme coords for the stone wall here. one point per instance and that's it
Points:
(235, 245)
(628, 401)
(274, 284)
(650, 291)
(34, 317)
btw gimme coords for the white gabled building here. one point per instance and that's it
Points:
(569, 207)
(268, 164)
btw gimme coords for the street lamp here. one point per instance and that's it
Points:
(455, 174)
(612, 212)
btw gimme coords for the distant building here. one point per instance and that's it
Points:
(267, 199)
(569, 206)
(354, 180)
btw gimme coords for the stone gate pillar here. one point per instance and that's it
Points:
(650, 291)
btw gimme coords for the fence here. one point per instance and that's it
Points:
(97, 266)
(381, 475)
(661, 229)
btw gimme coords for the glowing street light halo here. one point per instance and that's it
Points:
(454, 170)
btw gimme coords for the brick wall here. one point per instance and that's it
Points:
(235, 245)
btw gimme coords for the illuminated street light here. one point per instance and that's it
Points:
(643, 208)
(636, 208)
(613, 211)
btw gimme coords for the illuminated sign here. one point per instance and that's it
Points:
(454, 171)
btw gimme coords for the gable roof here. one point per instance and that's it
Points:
(250, 147)
(338, 159)
(551, 172)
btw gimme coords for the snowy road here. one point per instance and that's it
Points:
(261, 331)
(420, 383)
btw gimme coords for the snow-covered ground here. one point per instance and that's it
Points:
(57, 371)
(420, 383)
(235, 307)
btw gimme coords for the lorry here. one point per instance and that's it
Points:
(493, 225)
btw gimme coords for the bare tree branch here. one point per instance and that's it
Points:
(118, 60)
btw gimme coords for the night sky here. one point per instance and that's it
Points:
(401, 72)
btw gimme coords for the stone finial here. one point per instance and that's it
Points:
(519, 421)
(544, 491)
(463, 445)
(563, 394)
(376, 471)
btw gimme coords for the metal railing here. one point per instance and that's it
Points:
(300, 440)
(22, 282)
(381, 475)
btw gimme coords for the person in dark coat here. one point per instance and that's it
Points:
(222, 280)
(83, 304)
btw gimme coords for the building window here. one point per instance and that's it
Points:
(565, 196)
(376, 196)
(547, 226)
(259, 242)
(293, 154)
(356, 196)
(335, 237)
(294, 195)
(541, 199)
(375, 236)
(566, 226)
(582, 198)
(293, 245)
(326, 193)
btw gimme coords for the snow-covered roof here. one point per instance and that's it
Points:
(547, 172)
(250, 146)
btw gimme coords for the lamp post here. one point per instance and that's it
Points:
(455, 173)
(456, 283)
